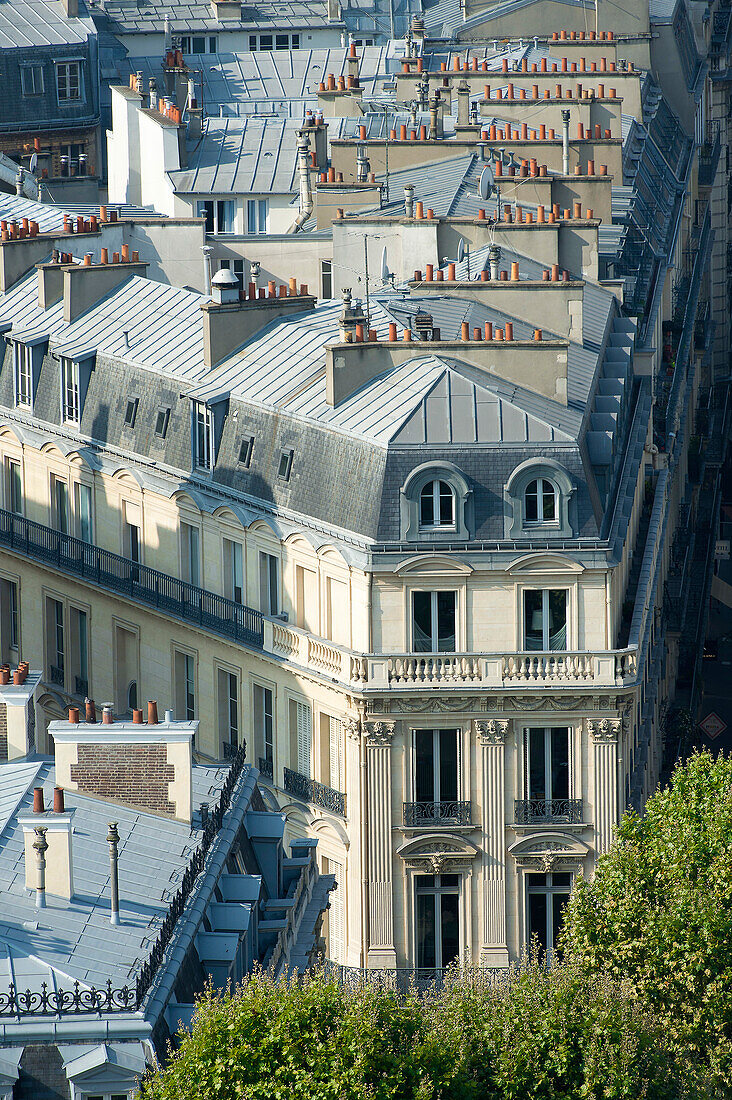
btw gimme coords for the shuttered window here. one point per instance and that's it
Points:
(336, 754)
(304, 737)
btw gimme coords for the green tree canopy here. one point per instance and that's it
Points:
(658, 913)
(542, 1035)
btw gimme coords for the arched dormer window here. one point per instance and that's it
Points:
(541, 501)
(538, 500)
(437, 506)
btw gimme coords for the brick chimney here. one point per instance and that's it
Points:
(229, 320)
(146, 765)
(58, 823)
(18, 693)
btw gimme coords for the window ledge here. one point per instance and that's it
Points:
(549, 826)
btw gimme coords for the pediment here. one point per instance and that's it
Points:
(438, 845)
(544, 563)
(432, 565)
(549, 851)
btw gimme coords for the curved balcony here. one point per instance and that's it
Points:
(428, 815)
(552, 811)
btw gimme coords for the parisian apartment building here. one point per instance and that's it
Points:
(362, 378)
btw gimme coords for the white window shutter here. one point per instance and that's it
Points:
(336, 754)
(337, 914)
(304, 738)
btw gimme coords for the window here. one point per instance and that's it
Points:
(546, 900)
(437, 505)
(131, 412)
(234, 571)
(283, 470)
(79, 652)
(190, 554)
(185, 686)
(13, 487)
(326, 278)
(257, 215)
(433, 622)
(282, 41)
(83, 506)
(228, 708)
(337, 612)
(545, 619)
(335, 931)
(306, 599)
(265, 41)
(23, 362)
(547, 767)
(31, 79)
(203, 435)
(237, 266)
(196, 44)
(264, 722)
(9, 612)
(126, 668)
(162, 417)
(294, 41)
(246, 449)
(56, 649)
(132, 531)
(219, 215)
(438, 920)
(436, 770)
(73, 160)
(269, 586)
(68, 81)
(540, 501)
(60, 504)
(70, 391)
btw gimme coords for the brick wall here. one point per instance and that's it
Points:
(135, 774)
(3, 731)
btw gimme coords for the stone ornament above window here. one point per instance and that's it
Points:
(436, 504)
(538, 499)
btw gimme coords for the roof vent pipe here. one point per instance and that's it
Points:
(113, 841)
(565, 143)
(40, 845)
(494, 259)
(306, 193)
(409, 199)
(434, 108)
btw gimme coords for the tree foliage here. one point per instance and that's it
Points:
(546, 1035)
(658, 913)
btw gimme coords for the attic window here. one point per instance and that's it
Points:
(245, 450)
(283, 471)
(131, 412)
(161, 423)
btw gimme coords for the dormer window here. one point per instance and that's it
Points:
(70, 391)
(437, 506)
(540, 501)
(203, 437)
(23, 356)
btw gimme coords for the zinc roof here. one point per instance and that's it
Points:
(75, 937)
(241, 156)
(189, 15)
(30, 23)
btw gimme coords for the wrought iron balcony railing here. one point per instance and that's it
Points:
(429, 814)
(81, 686)
(421, 980)
(311, 791)
(542, 811)
(56, 675)
(266, 767)
(139, 582)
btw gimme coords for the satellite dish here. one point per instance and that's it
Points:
(461, 251)
(33, 163)
(384, 268)
(486, 182)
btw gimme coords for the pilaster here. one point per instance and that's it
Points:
(604, 734)
(381, 951)
(491, 737)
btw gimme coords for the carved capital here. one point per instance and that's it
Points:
(379, 734)
(492, 732)
(352, 729)
(604, 730)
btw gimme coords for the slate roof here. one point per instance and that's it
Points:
(74, 938)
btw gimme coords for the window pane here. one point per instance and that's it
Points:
(531, 499)
(537, 764)
(450, 928)
(447, 510)
(426, 945)
(549, 501)
(427, 506)
(559, 904)
(557, 618)
(422, 622)
(83, 499)
(251, 216)
(537, 919)
(424, 785)
(448, 766)
(446, 622)
(560, 763)
(533, 619)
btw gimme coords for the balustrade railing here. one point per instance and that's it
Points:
(543, 811)
(311, 791)
(141, 583)
(429, 814)
(266, 767)
(421, 980)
